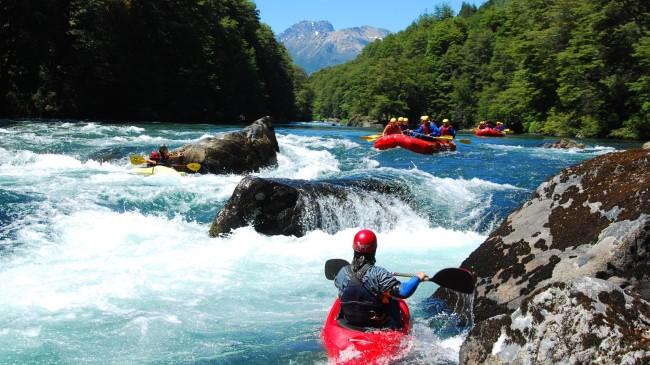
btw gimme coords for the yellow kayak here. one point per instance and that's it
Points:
(157, 170)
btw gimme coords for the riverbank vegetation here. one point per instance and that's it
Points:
(567, 68)
(182, 60)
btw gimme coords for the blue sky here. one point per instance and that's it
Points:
(394, 15)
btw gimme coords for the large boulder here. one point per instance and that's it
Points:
(294, 207)
(247, 150)
(646, 146)
(564, 143)
(583, 321)
(591, 220)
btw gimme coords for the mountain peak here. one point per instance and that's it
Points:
(314, 26)
(315, 44)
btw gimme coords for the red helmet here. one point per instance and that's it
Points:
(365, 241)
(154, 156)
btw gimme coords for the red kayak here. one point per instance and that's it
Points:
(425, 146)
(488, 132)
(353, 347)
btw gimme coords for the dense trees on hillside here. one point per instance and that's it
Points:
(579, 67)
(182, 60)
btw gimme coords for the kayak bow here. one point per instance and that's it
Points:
(345, 345)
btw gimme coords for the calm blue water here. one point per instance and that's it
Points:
(101, 266)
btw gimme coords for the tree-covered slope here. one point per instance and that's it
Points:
(182, 60)
(579, 67)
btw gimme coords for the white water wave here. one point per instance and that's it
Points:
(317, 142)
(298, 162)
(148, 279)
(597, 150)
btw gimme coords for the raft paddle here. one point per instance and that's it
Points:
(139, 160)
(457, 279)
(372, 137)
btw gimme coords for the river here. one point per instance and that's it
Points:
(99, 265)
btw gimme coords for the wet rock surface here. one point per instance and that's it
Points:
(591, 221)
(646, 146)
(248, 150)
(564, 143)
(582, 321)
(294, 207)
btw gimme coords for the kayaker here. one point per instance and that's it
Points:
(160, 157)
(447, 129)
(366, 290)
(500, 127)
(392, 127)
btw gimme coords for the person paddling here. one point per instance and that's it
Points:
(160, 157)
(433, 129)
(392, 127)
(500, 127)
(424, 129)
(447, 129)
(366, 291)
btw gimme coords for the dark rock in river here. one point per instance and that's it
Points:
(590, 221)
(365, 122)
(247, 150)
(564, 143)
(294, 207)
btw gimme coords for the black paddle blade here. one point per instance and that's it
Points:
(333, 266)
(461, 280)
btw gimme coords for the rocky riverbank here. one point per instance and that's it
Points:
(566, 278)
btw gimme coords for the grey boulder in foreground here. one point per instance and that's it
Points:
(566, 278)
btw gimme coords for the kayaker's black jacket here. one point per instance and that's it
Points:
(361, 295)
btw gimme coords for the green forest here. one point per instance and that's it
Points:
(567, 68)
(558, 67)
(174, 60)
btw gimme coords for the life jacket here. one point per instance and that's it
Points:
(154, 156)
(359, 307)
(160, 159)
(445, 130)
(426, 128)
(392, 129)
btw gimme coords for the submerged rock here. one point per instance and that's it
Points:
(570, 323)
(294, 207)
(247, 150)
(591, 220)
(564, 143)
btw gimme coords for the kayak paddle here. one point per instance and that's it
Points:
(457, 279)
(139, 160)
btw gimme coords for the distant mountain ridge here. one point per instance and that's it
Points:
(315, 44)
